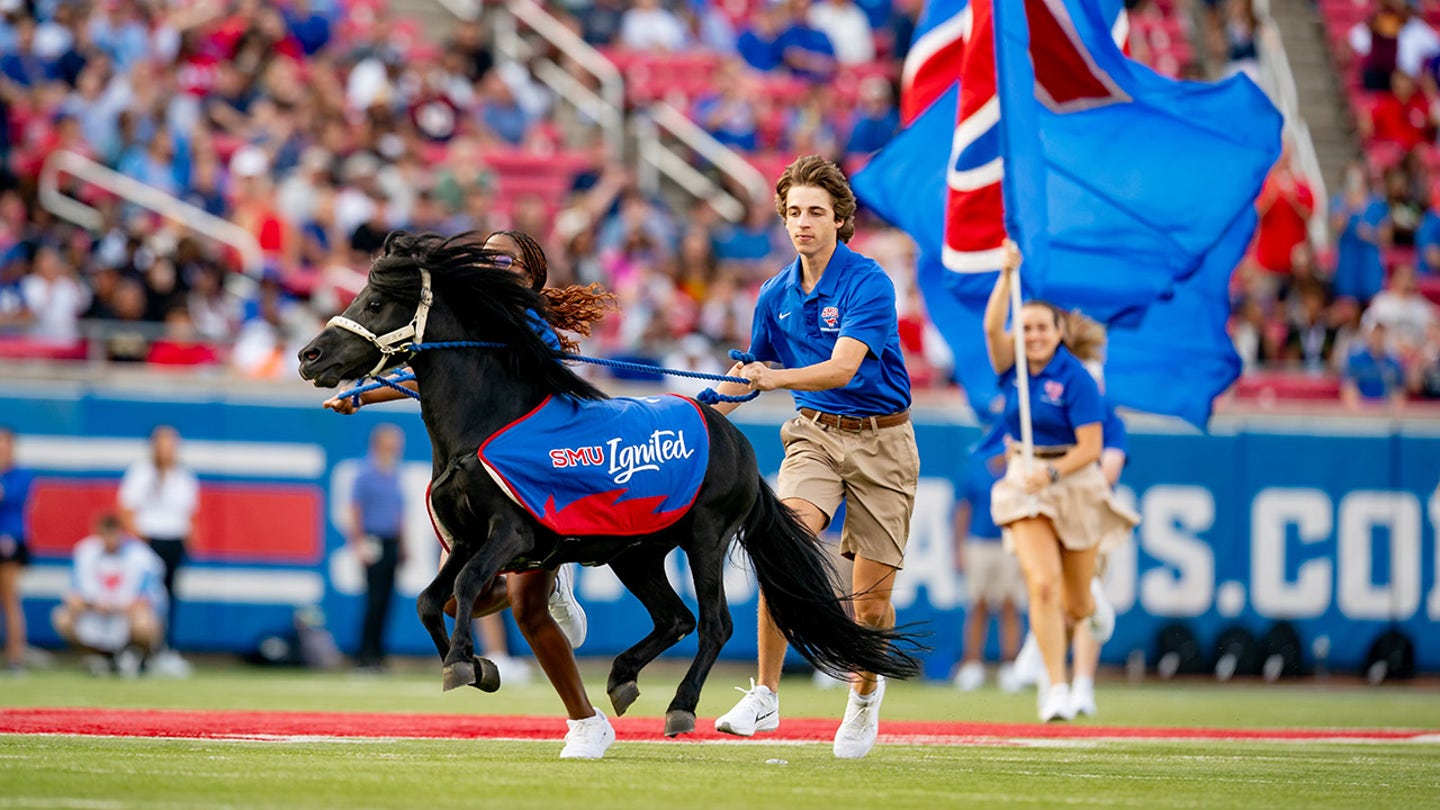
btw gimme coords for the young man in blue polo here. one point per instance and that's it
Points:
(828, 321)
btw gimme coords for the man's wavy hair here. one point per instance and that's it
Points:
(816, 171)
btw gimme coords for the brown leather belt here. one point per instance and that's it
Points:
(855, 424)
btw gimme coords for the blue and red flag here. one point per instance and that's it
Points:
(1118, 183)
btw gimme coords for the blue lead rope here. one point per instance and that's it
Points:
(709, 396)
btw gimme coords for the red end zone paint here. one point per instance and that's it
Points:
(236, 522)
(225, 724)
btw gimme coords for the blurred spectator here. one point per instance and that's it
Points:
(1360, 221)
(1242, 27)
(600, 21)
(470, 43)
(1392, 38)
(1285, 205)
(876, 118)
(22, 65)
(691, 353)
(500, 112)
(268, 340)
(806, 51)
(1426, 378)
(760, 43)
(1403, 311)
(53, 299)
(127, 334)
(809, 128)
(374, 534)
(1311, 337)
(1401, 116)
(158, 499)
(310, 28)
(115, 601)
(1253, 335)
(1404, 209)
(728, 113)
(649, 26)
(15, 483)
(848, 29)
(1372, 372)
(1427, 242)
(710, 27)
(181, 344)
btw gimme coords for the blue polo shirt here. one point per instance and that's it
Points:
(16, 484)
(1375, 377)
(855, 299)
(1063, 396)
(1113, 432)
(377, 496)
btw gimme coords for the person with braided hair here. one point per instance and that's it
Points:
(543, 601)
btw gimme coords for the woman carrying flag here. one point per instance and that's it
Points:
(1053, 503)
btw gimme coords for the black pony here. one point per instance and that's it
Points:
(430, 288)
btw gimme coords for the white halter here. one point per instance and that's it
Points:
(398, 341)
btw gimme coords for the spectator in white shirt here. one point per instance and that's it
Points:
(1415, 43)
(1402, 310)
(648, 26)
(848, 29)
(158, 500)
(53, 299)
(115, 598)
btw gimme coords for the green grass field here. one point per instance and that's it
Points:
(105, 772)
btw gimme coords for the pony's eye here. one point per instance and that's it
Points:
(374, 304)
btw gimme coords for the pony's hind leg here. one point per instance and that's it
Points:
(707, 565)
(642, 571)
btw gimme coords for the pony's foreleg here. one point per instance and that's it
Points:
(707, 565)
(462, 667)
(431, 602)
(643, 573)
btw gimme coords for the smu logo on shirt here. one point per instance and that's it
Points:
(626, 460)
(1054, 390)
(831, 316)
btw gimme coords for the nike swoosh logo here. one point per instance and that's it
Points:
(760, 717)
(784, 315)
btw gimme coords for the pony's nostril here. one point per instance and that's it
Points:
(310, 355)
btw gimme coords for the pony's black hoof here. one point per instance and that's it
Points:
(458, 675)
(489, 680)
(679, 721)
(623, 695)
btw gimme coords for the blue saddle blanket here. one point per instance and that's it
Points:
(626, 466)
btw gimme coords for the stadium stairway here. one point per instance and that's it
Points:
(1317, 85)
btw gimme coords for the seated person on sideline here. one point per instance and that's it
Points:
(115, 597)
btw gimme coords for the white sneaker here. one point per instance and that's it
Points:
(513, 671)
(1007, 679)
(1029, 664)
(1082, 698)
(588, 738)
(970, 676)
(1057, 705)
(168, 664)
(759, 710)
(1102, 621)
(857, 732)
(128, 661)
(564, 609)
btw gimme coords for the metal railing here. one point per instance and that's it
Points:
(63, 162)
(606, 107)
(655, 158)
(1278, 81)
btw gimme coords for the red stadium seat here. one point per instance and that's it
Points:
(1287, 385)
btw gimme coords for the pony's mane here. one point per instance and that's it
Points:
(487, 301)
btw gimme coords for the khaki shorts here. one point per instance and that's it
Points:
(992, 574)
(1081, 507)
(874, 472)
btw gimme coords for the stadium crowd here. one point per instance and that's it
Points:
(321, 125)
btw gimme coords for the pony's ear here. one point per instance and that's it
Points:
(401, 243)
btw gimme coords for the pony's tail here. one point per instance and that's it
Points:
(796, 576)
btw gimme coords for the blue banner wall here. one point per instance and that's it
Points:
(1332, 527)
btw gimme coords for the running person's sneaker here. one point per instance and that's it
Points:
(970, 676)
(759, 710)
(1056, 704)
(588, 738)
(857, 732)
(1102, 621)
(564, 609)
(1082, 698)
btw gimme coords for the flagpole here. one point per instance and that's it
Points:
(1022, 375)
